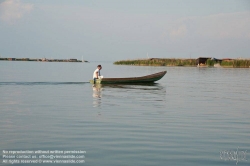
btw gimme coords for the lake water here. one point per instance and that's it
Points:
(192, 116)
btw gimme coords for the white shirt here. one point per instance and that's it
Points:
(96, 71)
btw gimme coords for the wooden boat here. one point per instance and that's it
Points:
(131, 80)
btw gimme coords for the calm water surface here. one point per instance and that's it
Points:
(188, 118)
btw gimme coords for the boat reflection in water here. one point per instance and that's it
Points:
(97, 95)
(143, 94)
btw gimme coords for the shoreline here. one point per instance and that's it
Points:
(41, 60)
(180, 62)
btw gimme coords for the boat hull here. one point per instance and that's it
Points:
(131, 80)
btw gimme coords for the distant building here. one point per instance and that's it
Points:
(203, 60)
(73, 60)
(11, 59)
(227, 59)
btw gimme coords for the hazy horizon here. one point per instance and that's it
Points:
(117, 30)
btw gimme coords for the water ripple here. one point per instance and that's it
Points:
(41, 83)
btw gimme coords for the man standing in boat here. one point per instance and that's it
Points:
(97, 73)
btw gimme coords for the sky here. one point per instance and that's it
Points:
(110, 30)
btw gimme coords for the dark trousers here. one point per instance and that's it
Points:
(95, 80)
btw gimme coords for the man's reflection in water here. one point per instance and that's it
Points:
(97, 95)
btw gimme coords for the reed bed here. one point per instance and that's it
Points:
(210, 62)
(158, 62)
(237, 63)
